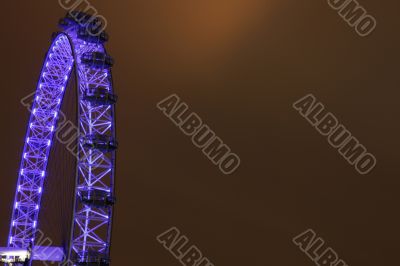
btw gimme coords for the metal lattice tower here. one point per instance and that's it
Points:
(72, 49)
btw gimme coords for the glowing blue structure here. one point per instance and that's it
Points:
(74, 49)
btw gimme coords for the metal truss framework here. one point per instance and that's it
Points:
(91, 225)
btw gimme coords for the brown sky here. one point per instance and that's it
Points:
(240, 65)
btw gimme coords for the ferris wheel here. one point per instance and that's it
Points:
(78, 48)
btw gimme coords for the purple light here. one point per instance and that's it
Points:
(38, 142)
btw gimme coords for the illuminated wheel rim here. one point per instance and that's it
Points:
(92, 223)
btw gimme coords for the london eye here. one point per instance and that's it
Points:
(76, 50)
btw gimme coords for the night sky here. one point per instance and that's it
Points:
(239, 65)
